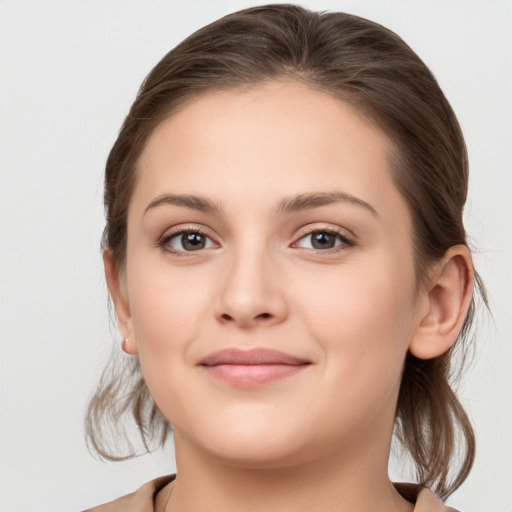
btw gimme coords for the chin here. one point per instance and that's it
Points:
(263, 446)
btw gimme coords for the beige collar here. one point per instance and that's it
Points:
(153, 496)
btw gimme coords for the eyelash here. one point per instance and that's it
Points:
(345, 240)
(166, 238)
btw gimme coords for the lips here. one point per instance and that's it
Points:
(250, 368)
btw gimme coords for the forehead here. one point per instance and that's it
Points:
(277, 138)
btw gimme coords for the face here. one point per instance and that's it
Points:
(269, 286)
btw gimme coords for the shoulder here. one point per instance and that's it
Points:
(142, 500)
(425, 500)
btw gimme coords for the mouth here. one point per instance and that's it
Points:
(251, 368)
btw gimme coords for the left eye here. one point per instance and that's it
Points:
(189, 241)
(322, 240)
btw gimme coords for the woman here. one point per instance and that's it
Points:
(289, 268)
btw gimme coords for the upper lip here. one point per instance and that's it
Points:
(256, 356)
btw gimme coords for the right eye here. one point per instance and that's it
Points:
(187, 241)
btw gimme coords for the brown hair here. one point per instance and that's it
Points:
(370, 67)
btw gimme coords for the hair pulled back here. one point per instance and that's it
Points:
(371, 68)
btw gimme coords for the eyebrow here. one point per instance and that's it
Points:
(287, 205)
(317, 199)
(190, 201)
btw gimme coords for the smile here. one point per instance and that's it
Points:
(251, 368)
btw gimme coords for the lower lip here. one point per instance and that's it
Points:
(247, 376)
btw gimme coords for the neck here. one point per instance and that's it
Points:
(356, 480)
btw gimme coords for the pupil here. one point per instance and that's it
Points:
(193, 241)
(323, 241)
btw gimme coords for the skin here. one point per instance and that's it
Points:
(319, 439)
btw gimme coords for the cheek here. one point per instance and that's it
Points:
(168, 310)
(362, 317)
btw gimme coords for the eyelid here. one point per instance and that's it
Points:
(348, 240)
(180, 230)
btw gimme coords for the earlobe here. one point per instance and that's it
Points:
(121, 304)
(449, 293)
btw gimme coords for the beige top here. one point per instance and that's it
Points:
(148, 499)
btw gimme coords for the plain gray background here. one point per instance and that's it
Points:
(69, 71)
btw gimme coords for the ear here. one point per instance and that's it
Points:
(119, 296)
(448, 295)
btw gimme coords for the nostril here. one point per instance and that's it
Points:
(225, 317)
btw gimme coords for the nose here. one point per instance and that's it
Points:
(251, 293)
